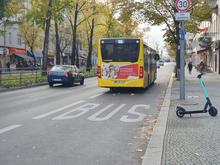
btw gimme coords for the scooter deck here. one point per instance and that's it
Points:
(196, 111)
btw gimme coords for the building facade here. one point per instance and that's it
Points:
(206, 43)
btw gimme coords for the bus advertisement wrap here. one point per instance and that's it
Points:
(120, 71)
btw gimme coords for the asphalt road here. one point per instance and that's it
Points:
(79, 125)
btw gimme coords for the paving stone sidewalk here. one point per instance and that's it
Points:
(193, 140)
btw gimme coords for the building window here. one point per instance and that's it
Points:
(9, 38)
(19, 39)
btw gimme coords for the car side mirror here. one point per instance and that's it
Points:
(156, 57)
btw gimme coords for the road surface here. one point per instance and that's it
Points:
(79, 125)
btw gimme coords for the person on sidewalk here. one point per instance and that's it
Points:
(202, 67)
(190, 66)
(8, 66)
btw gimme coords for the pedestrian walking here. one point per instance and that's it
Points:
(8, 66)
(202, 67)
(190, 66)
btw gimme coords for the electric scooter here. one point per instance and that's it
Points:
(180, 111)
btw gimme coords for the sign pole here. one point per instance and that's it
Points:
(182, 6)
(182, 61)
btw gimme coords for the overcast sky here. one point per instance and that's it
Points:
(155, 36)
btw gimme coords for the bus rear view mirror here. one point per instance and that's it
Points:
(157, 57)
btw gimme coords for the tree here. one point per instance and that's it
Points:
(170, 50)
(46, 36)
(159, 12)
(102, 21)
(58, 10)
(89, 63)
(31, 33)
(9, 8)
(81, 10)
(3, 8)
(126, 18)
(77, 7)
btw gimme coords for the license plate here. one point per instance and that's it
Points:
(56, 79)
(119, 82)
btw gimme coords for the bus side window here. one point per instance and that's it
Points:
(145, 59)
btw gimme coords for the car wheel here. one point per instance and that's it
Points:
(51, 84)
(82, 81)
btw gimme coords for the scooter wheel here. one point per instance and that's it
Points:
(180, 112)
(213, 111)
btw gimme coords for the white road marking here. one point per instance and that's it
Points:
(95, 118)
(82, 109)
(92, 97)
(6, 129)
(132, 111)
(57, 110)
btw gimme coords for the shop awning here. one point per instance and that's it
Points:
(24, 56)
(37, 54)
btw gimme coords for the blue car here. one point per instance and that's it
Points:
(64, 74)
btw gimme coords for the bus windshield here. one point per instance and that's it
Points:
(120, 52)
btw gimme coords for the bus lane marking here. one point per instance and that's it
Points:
(92, 97)
(82, 110)
(132, 111)
(57, 110)
(95, 117)
(6, 129)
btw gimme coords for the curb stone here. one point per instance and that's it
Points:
(154, 151)
(22, 87)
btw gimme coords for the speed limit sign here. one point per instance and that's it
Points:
(182, 5)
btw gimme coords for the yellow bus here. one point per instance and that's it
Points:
(126, 62)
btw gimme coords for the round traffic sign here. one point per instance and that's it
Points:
(182, 5)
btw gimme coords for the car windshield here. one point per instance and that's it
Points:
(62, 68)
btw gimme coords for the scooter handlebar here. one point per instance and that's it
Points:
(200, 76)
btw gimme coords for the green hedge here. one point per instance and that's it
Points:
(13, 80)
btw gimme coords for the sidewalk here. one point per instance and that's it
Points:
(193, 140)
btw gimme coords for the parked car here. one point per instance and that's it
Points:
(65, 74)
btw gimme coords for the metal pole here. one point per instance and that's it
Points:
(4, 50)
(182, 61)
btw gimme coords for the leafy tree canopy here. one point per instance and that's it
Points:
(159, 12)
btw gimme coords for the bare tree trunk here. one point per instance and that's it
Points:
(73, 55)
(46, 37)
(32, 53)
(77, 54)
(57, 42)
(89, 61)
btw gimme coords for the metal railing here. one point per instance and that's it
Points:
(17, 78)
(14, 78)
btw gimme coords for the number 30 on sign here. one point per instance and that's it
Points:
(182, 5)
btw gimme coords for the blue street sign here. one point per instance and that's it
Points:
(182, 33)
